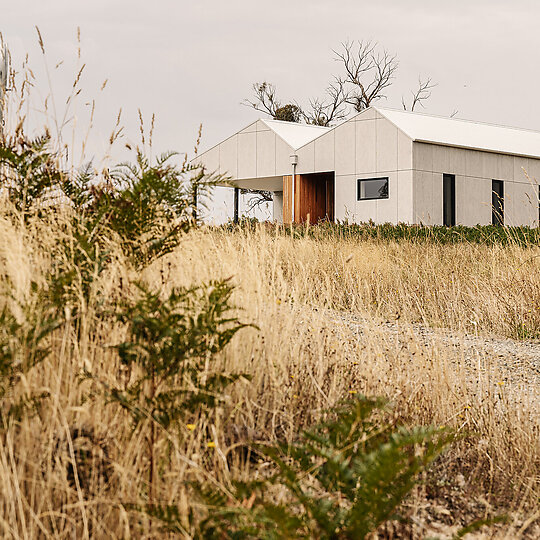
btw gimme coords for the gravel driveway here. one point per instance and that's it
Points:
(515, 364)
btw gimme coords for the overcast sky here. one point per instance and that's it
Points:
(193, 62)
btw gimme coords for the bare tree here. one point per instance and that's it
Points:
(258, 198)
(330, 110)
(265, 98)
(321, 112)
(265, 101)
(422, 93)
(368, 72)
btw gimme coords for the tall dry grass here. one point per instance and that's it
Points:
(77, 470)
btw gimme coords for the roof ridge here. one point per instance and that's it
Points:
(464, 120)
(296, 124)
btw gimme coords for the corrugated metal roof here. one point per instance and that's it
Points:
(465, 133)
(295, 135)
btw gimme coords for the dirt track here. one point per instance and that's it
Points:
(512, 363)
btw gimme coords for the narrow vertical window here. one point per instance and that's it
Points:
(449, 200)
(497, 202)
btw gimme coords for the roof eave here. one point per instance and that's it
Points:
(477, 149)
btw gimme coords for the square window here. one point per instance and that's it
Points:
(372, 188)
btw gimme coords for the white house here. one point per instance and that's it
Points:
(388, 166)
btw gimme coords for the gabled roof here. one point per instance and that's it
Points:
(465, 133)
(295, 135)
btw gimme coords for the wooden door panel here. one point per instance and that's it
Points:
(313, 197)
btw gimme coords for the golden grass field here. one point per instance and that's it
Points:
(303, 359)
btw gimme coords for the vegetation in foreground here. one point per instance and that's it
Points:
(161, 378)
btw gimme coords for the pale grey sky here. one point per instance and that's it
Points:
(194, 61)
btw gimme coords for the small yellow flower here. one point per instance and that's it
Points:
(278, 301)
(295, 396)
(292, 376)
(353, 392)
(467, 407)
(500, 383)
(211, 444)
(191, 427)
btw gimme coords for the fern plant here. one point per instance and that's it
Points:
(24, 343)
(149, 204)
(29, 168)
(343, 479)
(169, 349)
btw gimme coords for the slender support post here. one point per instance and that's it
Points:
(236, 203)
(294, 162)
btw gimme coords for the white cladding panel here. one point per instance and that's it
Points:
(228, 157)
(324, 153)
(405, 197)
(306, 159)
(345, 137)
(345, 198)
(534, 170)
(520, 204)
(521, 167)
(474, 171)
(424, 197)
(473, 201)
(266, 153)
(277, 207)
(247, 155)
(368, 114)
(366, 146)
(283, 157)
(405, 147)
(211, 160)
(387, 146)
(387, 209)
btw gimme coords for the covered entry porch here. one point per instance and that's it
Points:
(313, 196)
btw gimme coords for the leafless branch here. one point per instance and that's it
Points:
(422, 93)
(367, 72)
(258, 198)
(267, 102)
(331, 110)
(265, 99)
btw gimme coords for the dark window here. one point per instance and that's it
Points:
(372, 188)
(449, 200)
(497, 202)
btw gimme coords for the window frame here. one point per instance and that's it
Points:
(450, 181)
(360, 180)
(497, 218)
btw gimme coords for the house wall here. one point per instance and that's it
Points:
(255, 152)
(277, 207)
(474, 171)
(367, 146)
